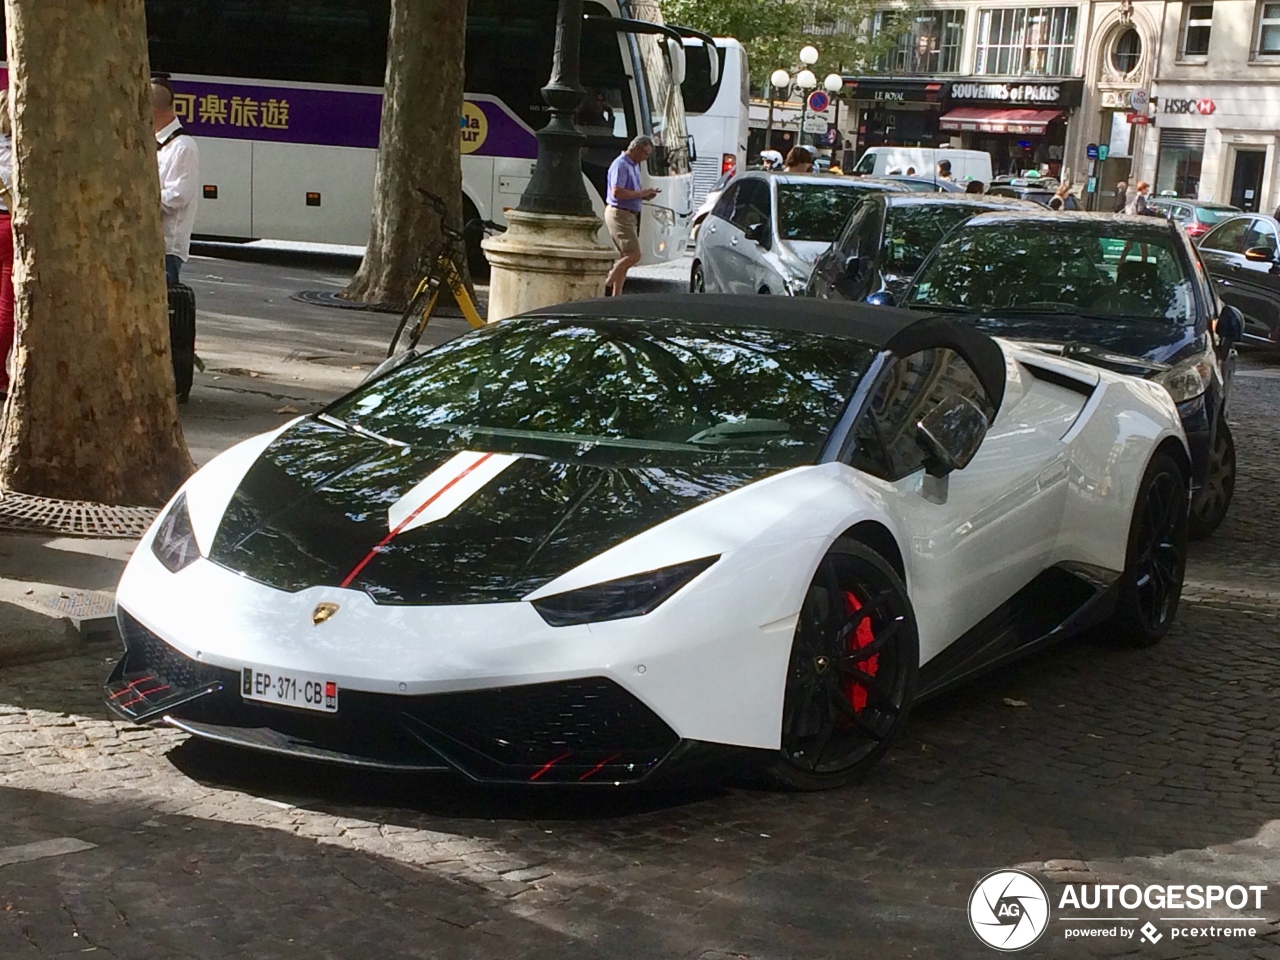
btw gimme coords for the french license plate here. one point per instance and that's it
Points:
(288, 688)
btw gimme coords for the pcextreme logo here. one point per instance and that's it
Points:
(1009, 910)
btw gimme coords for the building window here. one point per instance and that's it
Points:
(1178, 165)
(1195, 32)
(930, 44)
(1268, 44)
(1127, 52)
(1035, 41)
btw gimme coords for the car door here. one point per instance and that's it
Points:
(1252, 288)
(978, 535)
(746, 270)
(713, 240)
(854, 273)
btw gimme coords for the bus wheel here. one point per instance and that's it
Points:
(477, 263)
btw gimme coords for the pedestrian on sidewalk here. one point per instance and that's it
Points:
(6, 245)
(799, 160)
(1122, 197)
(623, 201)
(179, 160)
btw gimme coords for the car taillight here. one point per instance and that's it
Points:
(1197, 229)
(728, 163)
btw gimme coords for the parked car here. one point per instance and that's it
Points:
(886, 239)
(1036, 191)
(965, 164)
(1241, 257)
(929, 184)
(1196, 218)
(621, 540)
(1123, 292)
(767, 229)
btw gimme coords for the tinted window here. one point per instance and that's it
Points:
(1097, 267)
(752, 204)
(323, 41)
(1261, 234)
(909, 389)
(664, 387)
(1230, 236)
(728, 200)
(912, 231)
(814, 211)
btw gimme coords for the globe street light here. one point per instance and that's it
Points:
(809, 55)
(805, 81)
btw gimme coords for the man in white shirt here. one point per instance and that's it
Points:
(179, 160)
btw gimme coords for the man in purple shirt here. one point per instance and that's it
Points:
(622, 211)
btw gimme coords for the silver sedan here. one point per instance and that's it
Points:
(767, 229)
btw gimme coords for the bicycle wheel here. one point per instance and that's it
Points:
(414, 319)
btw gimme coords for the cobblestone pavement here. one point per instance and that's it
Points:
(1082, 764)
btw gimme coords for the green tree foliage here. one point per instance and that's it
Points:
(773, 31)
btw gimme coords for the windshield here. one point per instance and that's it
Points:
(563, 387)
(666, 122)
(1094, 267)
(913, 230)
(815, 211)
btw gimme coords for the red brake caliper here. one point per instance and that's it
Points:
(860, 637)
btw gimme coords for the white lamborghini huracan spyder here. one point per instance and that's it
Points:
(609, 540)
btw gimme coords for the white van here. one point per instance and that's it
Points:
(965, 164)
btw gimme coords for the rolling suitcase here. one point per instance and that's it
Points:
(182, 337)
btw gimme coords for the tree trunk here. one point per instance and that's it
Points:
(419, 145)
(93, 414)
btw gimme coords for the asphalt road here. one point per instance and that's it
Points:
(1084, 764)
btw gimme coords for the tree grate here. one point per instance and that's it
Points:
(24, 513)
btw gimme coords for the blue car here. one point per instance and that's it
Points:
(1126, 293)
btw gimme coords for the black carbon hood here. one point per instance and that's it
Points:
(314, 510)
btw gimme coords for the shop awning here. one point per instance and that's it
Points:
(984, 120)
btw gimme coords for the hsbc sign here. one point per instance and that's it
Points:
(1204, 106)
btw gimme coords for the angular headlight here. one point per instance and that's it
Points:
(663, 215)
(175, 542)
(1190, 378)
(618, 599)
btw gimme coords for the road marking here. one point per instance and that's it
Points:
(44, 848)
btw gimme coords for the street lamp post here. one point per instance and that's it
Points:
(556, 186)
(805, 81)
(834, 83)
(780, 80)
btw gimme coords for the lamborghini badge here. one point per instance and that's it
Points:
(323, 612)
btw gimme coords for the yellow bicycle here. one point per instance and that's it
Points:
(441, 269)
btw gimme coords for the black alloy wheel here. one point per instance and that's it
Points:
(1156, 559)
(852, 673)
(1211, 502)
(697, 280)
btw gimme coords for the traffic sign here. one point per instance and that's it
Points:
(1091, 151)
(832, 138)
(819, 101)
(1104, 151)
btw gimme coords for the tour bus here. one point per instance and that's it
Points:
(716, 112)
(285, 100)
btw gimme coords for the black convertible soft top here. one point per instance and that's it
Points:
(900, 332)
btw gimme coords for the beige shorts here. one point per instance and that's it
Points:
(624, 228)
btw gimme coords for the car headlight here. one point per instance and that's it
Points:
(618, 599)
(663, 215)
(175, 541)
(1190, 378)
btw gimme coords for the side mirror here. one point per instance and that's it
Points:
(1260, 255)
(853, 267)
(882, 298)
(1230, 325)
(950, 434)
(759, 233)
(675, 56)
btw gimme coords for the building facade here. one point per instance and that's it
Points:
(1184, 95)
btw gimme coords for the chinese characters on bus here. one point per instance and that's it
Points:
(269, 114)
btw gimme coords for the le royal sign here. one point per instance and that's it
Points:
(1045, 93)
